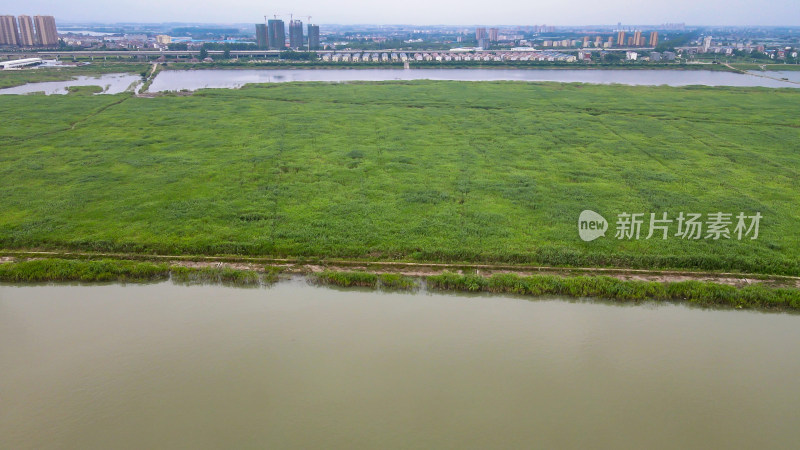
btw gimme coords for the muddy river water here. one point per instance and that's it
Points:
(300, 366)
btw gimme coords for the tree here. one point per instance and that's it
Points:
(203, 53)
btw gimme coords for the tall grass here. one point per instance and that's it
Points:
(224, 275)
(494, 172)
(756, 296)
(397, 282)
(55, 269)
(385, 281)
(346, 279)
(82, 270)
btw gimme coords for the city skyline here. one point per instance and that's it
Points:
(467, 12)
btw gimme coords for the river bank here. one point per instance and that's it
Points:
(703, 289)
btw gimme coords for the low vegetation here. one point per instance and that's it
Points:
(84, 90)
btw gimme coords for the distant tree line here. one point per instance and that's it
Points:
(677, 41)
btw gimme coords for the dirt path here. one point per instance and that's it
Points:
(746, 72)
(299, 266)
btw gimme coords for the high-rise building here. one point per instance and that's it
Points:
(9, 34)
(46, 33)
(27, 36)
(261, 35)
(620, 38)
(706, 43)
(296, 34)
(493, 34)
(277, 34)
(637, 37)
(480, 33)
(313, 37)
(653, 38)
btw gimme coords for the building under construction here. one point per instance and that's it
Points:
(296, 34)
(24, 31)
(276, 34)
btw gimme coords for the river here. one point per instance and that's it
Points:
(176, 80)
(294, 365)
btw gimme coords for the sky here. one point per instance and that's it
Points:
(421, 12)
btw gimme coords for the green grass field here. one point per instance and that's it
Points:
(433, 171)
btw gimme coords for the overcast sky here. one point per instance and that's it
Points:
(423, 12)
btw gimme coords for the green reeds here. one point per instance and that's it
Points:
(347, 279)
(755, 296)
(82, 270)
(54, 269)
(385, 281)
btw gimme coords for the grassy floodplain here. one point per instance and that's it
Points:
(420, 170)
